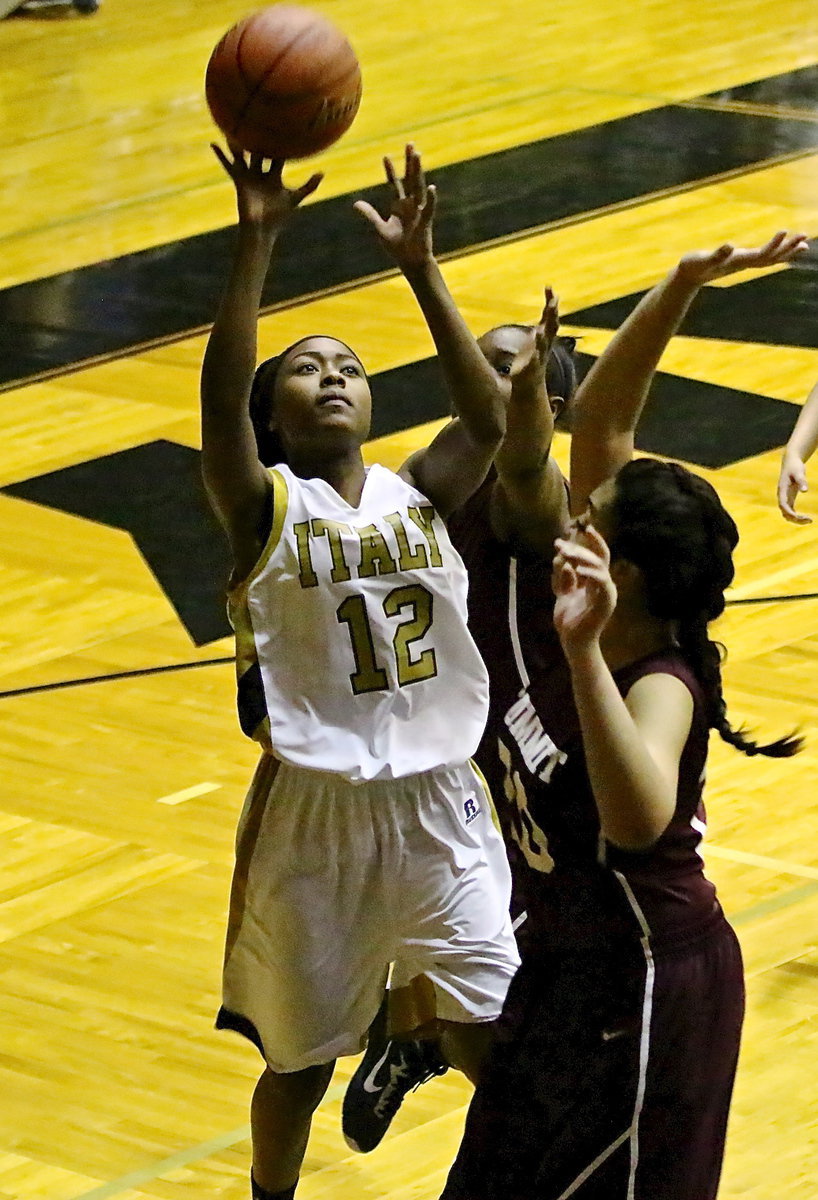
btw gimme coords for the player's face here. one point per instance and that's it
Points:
(506, 347)
(321, 390)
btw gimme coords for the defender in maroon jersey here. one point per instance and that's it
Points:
(614, 1062)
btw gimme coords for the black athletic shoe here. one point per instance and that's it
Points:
(375, 1092)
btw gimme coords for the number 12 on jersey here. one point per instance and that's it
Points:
(369, 675)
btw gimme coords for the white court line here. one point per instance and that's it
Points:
(759, 860)
(198, 789)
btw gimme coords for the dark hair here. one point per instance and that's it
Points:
(561, 377)
(270, 444)
(268, 441)
(672, 525)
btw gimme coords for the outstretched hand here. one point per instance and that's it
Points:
(406, 234)
(703, 266)
(791, 482)
(261, 194)
(584, 590)
(529, 371)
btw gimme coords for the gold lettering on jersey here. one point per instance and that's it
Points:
(333, 530)
(420, 602)
(409, 559)
(306, 575)
(525, 830)
(376, 557)
(424, 519)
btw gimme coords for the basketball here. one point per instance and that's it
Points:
(283, 82)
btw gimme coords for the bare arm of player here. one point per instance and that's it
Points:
(632, 746)
(529, 501)
(456, 462)
(237, 484)
(610, 399)
(801, 446)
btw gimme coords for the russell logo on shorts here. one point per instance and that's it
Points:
(471, 809)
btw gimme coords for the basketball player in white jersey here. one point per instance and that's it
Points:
(367, 838)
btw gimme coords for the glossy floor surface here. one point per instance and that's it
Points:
(585, 146)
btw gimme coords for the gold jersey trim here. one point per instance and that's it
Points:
(239, 612)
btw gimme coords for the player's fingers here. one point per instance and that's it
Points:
(789, 514)
(428, 211)
(793, 245)
(309, 187)
(370, 214)
(775, 241)
(419, 188)
(392, 178)
(722, 253)
(222, 157)
(577, 554)
(563, 578)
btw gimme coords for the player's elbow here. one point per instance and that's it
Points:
(637, 831)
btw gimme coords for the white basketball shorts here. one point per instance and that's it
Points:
(335, 882)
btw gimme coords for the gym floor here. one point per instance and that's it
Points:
(583, 146)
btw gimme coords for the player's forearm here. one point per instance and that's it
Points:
(804, 437)
(616, 386)
(230, 355)
(529, 429)
(610, 399)
(470, 379)
(634, 802)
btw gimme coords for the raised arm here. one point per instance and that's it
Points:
(798, 450)
(236, 482)
(529, 501)
(610, 399)
(633, 746)
(456, 462)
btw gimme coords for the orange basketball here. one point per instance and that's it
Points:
(283, 82)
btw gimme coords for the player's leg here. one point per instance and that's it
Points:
(457, 961)
(280, 1117)
(554, 1108)
(466, 1046)
(695, 1035)
(307, 947)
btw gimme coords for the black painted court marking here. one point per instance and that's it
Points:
(797, 89)
(161, 294)
(137, 672)
(778, 309)
(155, 493)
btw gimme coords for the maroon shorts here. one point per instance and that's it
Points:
(611, 1077)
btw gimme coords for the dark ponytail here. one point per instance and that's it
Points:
(671, 524)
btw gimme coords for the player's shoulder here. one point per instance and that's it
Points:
(669, 664)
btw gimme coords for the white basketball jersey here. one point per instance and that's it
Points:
(353, 653)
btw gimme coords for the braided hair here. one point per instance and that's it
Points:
(671, 524)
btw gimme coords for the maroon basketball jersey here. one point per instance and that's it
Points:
(577, 888)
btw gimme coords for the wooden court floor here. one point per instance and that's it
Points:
(587, 146)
